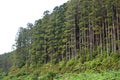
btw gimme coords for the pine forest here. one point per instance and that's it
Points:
(78, 40)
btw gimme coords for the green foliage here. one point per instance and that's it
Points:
(61, 65)
(70, 63)
(77, 29)
(111, 75)
(78, 40)
(35, 76)
(48, 76)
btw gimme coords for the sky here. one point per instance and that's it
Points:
(17, 13)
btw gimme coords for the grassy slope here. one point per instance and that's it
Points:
(100, 68)
(111, 75)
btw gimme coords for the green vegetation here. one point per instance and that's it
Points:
(104, 75)
(98, 68)
(79, 40)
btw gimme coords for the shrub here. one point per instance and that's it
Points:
(48, 76)
(35, 76)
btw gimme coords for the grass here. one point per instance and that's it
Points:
(105, 75)
(100, 68)
(112, 75)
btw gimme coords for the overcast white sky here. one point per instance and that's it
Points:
(17, 13)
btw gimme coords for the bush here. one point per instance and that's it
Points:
(70, 63)
(35, 76)
(62, 64)
(49, 76)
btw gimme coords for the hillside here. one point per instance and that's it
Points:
(79, 40)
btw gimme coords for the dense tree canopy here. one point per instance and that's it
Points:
(77, 29)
